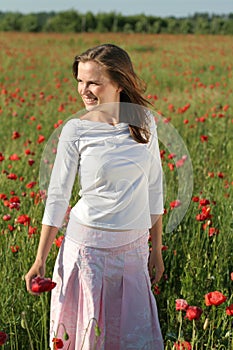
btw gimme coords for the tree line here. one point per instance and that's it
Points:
(76, 22)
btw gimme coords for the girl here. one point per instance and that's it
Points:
(101, 271)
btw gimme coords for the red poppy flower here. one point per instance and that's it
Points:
(59, 122)
(40, 139)
(225, 108)
(204, 215)
(204, 138)
(23, 219)
(171, 166)
(175, 204)
(211, 174)
(213, 231)
(14, 157)
(31, 184)
(162, 153)
(6, 203)
(204, 201)
(27, 152)
(1, 157)
(6, 217)
(61, 108)
(12, 176)
(3, 338)
(193, 313)
(214, 298)
(201, 119)
(40, 285)
(14, 199)
(14, 206)
(171, 156)
(57, 343)
(180, 162)
(229, 310)
(220, 175)
(3, 196)
(156, 289)
(14, 248)
(181, 304)
(32, 230)
(59, 240)
(184, 108)
(171, 107)
(183, 345)
(15, 135)
(195, 199)
(31, 161)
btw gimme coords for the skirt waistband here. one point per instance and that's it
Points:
(93, 237)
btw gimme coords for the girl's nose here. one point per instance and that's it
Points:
(84, 89)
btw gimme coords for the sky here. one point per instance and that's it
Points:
(161, 8)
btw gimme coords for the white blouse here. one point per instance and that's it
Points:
(120, 179)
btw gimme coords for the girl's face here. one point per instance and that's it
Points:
(95, 86)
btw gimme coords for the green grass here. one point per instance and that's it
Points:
(37, 76)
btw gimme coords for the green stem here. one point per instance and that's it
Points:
(92, 319)
(28, 331)
(44, 313)
(15, 330)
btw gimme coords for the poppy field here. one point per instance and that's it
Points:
(190, 86)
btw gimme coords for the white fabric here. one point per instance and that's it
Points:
(96, 238)
(120, 179)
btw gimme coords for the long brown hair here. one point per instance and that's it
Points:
(119, 68)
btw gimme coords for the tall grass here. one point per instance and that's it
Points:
(37, 90)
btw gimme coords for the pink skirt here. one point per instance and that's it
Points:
(103, 298)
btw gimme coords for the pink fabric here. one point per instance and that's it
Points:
(96, 237)
(111, 285)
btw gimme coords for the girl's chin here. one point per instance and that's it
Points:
(90, 107)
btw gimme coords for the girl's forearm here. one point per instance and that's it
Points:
(156, 232)
(48, 234)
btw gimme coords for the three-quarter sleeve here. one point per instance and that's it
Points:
(63, 175)
(155, 175)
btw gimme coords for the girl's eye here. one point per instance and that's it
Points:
(89, 83)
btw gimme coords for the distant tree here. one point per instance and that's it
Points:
(141, 25)
(158, 26)
(106, 22)
(43, 18)
(128, 28)
(227, 27)
(30, 23)
(173, 25)
(89, 24)
(186, 26)
(73, 21)
(10, 22)
(202, 24)
(216, 26)
(67, 21)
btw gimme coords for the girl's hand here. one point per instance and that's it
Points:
(155, 266)
(37, 269)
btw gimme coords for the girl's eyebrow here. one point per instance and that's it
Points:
(90, 82)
